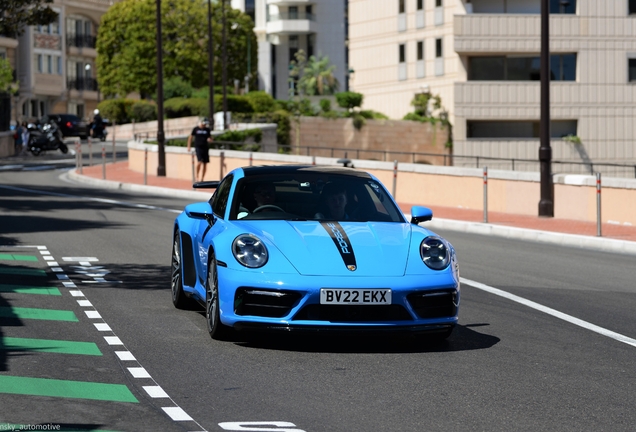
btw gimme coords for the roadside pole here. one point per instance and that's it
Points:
(485, 194)
(598, 205)
(114, 150)
(103, 162)
(146, 166)
(90, 151)
(395, 171)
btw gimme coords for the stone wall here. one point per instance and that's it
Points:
(385, 140)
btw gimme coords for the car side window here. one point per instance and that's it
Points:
(221, 197)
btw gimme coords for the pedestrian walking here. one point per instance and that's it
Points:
(202, 136)
(17, 138)
(25, 139)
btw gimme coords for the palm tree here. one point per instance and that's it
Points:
(318, 78)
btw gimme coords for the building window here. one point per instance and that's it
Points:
(563, 7)
(520, 129)
(402, 62)
(438, 48)
(520, 68)
(293, 12)
(401, 6)
(632, 7)
(402, 53)
(632, 69)
(420, 66)
(420, 4)
(420, 50)
(438, 3)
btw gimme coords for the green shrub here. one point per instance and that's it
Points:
(241, 135)
(325, 105)
(261, 101)
(142, 111)
(176, 87)
(116, 110)
(349, 100)
(373, 115)
(185, 107)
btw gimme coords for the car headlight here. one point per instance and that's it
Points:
(250, 251)
(435, 253)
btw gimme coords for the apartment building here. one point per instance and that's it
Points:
(283, 27)
(55, 63)
(483, 57)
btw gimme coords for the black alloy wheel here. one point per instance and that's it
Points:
(216, 328)
(179, 298)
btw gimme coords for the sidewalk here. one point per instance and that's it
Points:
(615, 237)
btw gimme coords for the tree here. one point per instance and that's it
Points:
(6, 76)
(313, 76)
(15, 14)
(422, 101)
(126, 45)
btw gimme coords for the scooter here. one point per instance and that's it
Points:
(99, 132)
(44, 138)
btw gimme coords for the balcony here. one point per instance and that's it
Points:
(81, 41)
(292, 23)
(290, 2)
(89, 84)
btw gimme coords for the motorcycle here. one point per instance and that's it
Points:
(45, 137)
(99, 132)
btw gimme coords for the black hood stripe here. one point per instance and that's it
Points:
(342, 242)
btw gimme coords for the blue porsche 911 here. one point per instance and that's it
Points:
(312, 248)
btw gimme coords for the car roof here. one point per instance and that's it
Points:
(291, 169)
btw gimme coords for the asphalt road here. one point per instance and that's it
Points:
(510, 365)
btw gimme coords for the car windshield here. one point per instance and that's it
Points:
(313, 196)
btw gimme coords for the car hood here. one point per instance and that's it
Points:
(341, 248)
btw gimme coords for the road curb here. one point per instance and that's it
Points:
(72, 175)
(585, 242)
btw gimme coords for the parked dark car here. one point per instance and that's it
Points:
(71, 125)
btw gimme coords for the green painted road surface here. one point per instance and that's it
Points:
(37, 314)
(17, 257)
(49, 345)
(20, 289)
(65, 389)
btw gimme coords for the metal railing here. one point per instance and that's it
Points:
(81, 40)
(292, 16)
(82, 84)
(609, 169)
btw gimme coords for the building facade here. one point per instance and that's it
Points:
(55, 63)
(483, 58)
(283, 27)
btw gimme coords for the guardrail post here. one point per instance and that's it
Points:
(598, 204)
(485, 194)
(395, 171)
(222, 163)
(146, 166)
(251, 158)
(79, 157)
(115, 150)
(192, 165)
(313, 160)
(90, 151)
(103, 161)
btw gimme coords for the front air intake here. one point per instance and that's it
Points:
(434, 304)
(264, 303)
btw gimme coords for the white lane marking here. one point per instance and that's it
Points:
(82, 259)
(93, 314)
(102, 327)
(84, 303)
(555, 313)
(177, 414)
(101, 200)
(139, 372)
(76, 293)
(155, 392)
(47, 258)
(52, 263)
(62, 277)
(113, 340)
(125, 355)
(69, 284)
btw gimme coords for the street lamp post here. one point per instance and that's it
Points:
(546, 204)
(210, 66)
(224, 64)
(161, 165)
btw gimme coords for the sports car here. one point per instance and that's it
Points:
(268, 252)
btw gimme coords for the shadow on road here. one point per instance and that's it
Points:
(463, 338)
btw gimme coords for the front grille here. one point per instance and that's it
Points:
(345, 313)
(264, 303)
(434, 304)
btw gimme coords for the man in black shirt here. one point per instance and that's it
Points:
(202, 136)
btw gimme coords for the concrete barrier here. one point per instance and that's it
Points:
(509, 191)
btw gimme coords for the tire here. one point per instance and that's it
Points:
(216, 328)
(63, 148)
(83, 137)
(179, 298)
(35, 150)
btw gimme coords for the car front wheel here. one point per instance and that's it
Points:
(179, 298)
(216, 328)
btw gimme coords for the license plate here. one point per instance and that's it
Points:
(341, 296)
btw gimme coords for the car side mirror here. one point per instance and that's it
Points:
(200, 210)
(420, 214)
